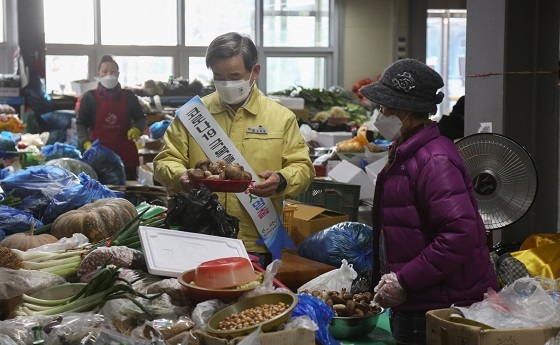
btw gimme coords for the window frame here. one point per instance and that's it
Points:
(180, 53)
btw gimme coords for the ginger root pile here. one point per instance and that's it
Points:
(347, 304)
(221, 170)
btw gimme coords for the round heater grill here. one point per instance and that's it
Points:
(504, 177)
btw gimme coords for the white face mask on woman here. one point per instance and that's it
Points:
(109, 81)
(233, 91)
(389, 126)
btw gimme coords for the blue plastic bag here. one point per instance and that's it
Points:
(36, 186)
(59, 119)
(13, 220)
(76, 196)
(2, 234)
(320, 313)
(157, 129)
(106, 163)
(60, 150)
(7, 145)
(347, 240)
(5, 172)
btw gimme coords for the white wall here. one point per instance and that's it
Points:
(368, 37)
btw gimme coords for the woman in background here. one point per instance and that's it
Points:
(113, 115)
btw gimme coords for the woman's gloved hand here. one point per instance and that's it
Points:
(134, 133)
(87, 145)
(389, 292)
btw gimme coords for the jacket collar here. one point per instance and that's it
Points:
(252, 106)
(415, 142)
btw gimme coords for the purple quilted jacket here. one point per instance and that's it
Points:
(426, 216)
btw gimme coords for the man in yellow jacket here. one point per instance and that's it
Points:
(265, 133)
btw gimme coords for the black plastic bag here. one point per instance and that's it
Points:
(200, 212)
(362, 283)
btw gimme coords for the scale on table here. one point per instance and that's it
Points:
(504, 177)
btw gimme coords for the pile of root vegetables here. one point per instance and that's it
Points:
(220, 170)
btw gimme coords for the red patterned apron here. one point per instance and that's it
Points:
(111, 127)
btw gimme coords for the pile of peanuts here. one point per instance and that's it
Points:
(252, 316)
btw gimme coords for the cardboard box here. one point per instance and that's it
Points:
(360, 158)
(441, 331)
(311, 219)
(294, 336)
(347, 172)
(301, 114)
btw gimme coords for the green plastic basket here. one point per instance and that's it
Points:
(336, 196)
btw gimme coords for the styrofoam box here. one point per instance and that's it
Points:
(290, 102)
(82, 86)
(171, 252)
(328, 139)
(347, 172)
(9, 91)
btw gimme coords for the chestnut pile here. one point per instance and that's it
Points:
(347, 304)
(221, 170)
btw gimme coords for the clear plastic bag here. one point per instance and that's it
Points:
(335, 280)
(204, 310)
(19, 330)
(17, 282)
(267, 285)
(70, 328)
(77, 240)
(522, 304)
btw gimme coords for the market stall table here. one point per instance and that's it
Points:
(297, 270)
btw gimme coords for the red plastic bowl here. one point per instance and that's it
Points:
(230, 186)
(199, 294)
(224, 273)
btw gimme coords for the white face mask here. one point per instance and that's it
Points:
(388, 126)
(233, 91)
(109, 81)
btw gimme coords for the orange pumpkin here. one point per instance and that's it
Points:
(24, 241)
(96, 221)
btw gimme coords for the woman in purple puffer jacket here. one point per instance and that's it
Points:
(431, 239)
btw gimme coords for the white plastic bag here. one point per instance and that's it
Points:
(308, 133)
(335, 280)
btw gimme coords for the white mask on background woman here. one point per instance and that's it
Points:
(233, 91)
(389, 126)
(109, 81)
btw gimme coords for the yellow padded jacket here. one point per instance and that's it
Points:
(281, 149)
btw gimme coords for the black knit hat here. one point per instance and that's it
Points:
(407, 84)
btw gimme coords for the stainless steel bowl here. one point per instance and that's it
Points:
(353, 327)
